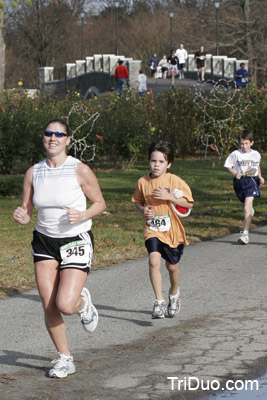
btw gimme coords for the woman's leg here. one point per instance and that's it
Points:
(55, 288)
(69, 300)
(47, 278)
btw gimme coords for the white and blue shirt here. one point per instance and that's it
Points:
(245, 163)
(55, 191)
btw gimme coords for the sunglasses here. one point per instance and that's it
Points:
(57, 134)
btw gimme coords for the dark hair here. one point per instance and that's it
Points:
(245, 134)
(60, 121)
(120, 62)
(164, 147)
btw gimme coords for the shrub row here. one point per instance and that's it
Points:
(119, 129)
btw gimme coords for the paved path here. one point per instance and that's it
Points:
(163, 85)
(219, 334)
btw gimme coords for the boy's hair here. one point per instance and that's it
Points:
(164, 147)
(245, 134)
(60, 121)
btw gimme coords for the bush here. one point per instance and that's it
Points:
(10, 187)
(119, 129)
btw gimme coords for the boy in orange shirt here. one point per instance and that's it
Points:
(155, 196)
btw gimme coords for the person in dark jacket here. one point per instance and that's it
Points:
(153, 64)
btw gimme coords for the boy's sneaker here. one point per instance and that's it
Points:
(88, 314)
(63, 367)
(159, 309)
(243, 238)
(252, 212)
(174, 305)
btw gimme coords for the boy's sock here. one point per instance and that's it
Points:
(245, 232)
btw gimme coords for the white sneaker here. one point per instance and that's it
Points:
(252, 212)
(159, 309)
(174, 305)
(89, 314)
(63, 367)
(243, 238)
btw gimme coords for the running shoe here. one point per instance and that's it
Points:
(174, 304)
(63, 367)
(243, 238)
(252, 212)
(88, 314)
(159, 309)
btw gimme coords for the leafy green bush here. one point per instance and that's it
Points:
(10, 188)
(121, 128)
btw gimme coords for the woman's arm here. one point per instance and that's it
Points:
(23, 214)
(92, 191)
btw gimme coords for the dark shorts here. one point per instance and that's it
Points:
(170, 254)
(181, 66)
(247, 186)
(200, 63)
(70, 252)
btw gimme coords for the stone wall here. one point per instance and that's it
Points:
(95, 72)
(216, 67)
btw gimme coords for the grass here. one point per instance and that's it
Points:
(119, 231)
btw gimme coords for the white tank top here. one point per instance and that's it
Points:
(55, 191)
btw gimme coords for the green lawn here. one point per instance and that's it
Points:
(119, 232)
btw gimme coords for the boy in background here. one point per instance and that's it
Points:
(244, 165)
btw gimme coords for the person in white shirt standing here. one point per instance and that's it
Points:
(181, 54)
(141, 80)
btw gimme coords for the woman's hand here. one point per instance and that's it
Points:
(21, 215)
(75, 216)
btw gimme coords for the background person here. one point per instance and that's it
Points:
(244, 165)
(172, 60)
(121, 74)
(153, 64)
(200, 57)
(241, 76)
(164, 66)
(142, 82)
(181, 54)
(62, 239)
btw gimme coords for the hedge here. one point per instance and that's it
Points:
(119, 129)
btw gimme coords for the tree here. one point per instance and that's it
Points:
(244, 32)
(2, 47)
(41, 33)
(48, 33)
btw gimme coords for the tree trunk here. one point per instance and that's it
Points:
(2, 50)
(249, 44)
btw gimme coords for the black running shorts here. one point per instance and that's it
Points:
(70, 252)
(170, 254)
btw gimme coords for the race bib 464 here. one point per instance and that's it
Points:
(160, 223)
